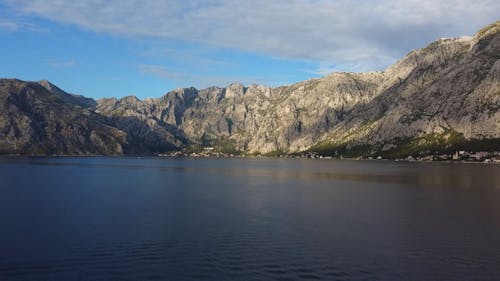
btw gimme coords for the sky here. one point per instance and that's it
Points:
(115, 48)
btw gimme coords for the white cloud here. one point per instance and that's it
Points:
(367, 34)
(13, 25)
(161, 72)
(323, 69)
(199, 80)
(9, 25)
(62, 64)
(203, 59)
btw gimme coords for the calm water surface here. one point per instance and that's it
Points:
(247, 219)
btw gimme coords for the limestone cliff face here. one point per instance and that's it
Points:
(255, 118)
(145, 132)
(452, 85)
(450, 88)
(37, 120)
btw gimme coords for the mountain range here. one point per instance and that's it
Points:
(443, 97)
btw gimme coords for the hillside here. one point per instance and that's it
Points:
(445, 96)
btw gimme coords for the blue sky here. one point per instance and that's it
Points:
(146, 48)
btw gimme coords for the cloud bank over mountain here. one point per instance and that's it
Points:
(362, 35)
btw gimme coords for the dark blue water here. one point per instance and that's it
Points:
(247, 219)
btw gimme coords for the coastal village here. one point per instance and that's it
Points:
(428, 156)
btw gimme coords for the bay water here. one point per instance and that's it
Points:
(129, 218)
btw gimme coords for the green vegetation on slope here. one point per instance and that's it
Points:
(444, 143)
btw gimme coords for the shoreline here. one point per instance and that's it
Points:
(248, 157)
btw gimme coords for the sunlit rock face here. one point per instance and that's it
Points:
(451, 87)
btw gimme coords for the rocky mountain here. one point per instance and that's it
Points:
(36, 118)
(444, 96)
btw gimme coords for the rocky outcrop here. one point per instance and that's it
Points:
(37, 120)
(68, 98)
(450, 86)
(145, 132)
(445, 93)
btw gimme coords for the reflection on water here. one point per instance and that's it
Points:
(455, 175)
(247, 219)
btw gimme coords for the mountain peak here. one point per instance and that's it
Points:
(67, 97)
(47, 85)
(485, 32)
(440, 97)
(488, 30)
